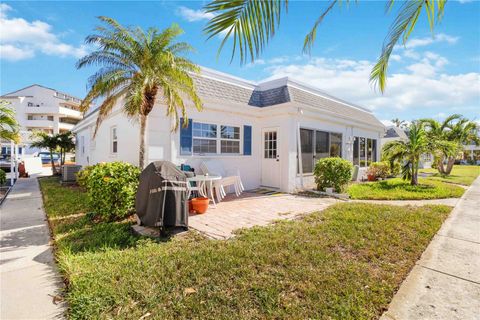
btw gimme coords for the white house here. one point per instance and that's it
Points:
(41, 108)
(257, 128)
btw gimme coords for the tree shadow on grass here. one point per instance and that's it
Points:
(385, 185)
(98, 237)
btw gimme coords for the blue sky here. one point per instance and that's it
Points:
(430, 77)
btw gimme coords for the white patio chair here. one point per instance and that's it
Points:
(229, 178)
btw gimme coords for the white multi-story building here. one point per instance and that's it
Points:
(41, 108)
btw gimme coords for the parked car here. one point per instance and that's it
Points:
(45, 156)
(5, 163)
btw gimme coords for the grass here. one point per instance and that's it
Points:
(398, 189)
(464, 175)
(345, 262)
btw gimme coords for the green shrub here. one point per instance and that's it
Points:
(395, 168)
(111, 189)
(82, 176)
(379, 169)
(3, 177)
(332, 173)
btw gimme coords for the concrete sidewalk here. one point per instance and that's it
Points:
(29, 279)
(445, 282)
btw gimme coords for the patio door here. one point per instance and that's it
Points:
(271, 175)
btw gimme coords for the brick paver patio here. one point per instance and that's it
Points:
(252, 209)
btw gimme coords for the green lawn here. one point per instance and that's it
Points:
(345, 262)
(398, 189)
(464, 175)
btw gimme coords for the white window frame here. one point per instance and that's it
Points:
(113, 139)
(218, 139)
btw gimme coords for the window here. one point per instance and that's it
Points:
(322, 144)
(82, 144)
(364, 151)
(30, 104)
(208, 139)
(204, 138)
(356, 151)
(318, 144)
(114, 139)
(306, 142)
(335, 144)
(229, 139)
(270, 149)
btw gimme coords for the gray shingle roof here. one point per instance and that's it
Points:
(391, 133)
(211, 88)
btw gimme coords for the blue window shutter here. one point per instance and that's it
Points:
(186, 137)
(247, 140)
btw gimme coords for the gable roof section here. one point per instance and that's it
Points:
(275, 92)
(395, 132)
(222, 86)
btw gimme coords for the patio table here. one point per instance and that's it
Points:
(204, 186)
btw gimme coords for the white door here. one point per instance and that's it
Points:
(271, 175)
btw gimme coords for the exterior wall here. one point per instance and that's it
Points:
(91, 150)
(348, 129)
(164, 144)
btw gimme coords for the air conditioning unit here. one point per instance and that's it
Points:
(69, 172)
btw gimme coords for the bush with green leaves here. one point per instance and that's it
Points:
(333, 173)
(83, 175)
(379, 169)
(111, 189)
(3, 177)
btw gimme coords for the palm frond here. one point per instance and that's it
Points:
(251, 24)
(311, 36)
(402, 28)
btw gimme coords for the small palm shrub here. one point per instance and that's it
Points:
(395, 168)
(111, 189)
(333, 173)
(379, 169)
(3, 177)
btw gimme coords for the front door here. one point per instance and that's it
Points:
(271, 175)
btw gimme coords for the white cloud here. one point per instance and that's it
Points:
(421, 84)
(13, 53)
(21, 39)
(194, 15)
(421, 42)
(395, 57)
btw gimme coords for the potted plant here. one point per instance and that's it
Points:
(372, 173)
(200, 205)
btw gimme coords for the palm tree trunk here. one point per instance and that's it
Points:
(440, 166)
(414, 180)
(54, 170)
(145, 110)
(450, 163)
(141, 154)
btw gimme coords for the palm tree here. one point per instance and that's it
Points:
(139, 67)
(448, 137)
(252, 23)
(408, 152)
(65, 144)
(399, 123)
(46, 141)
(462, 132)
(8, 123)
